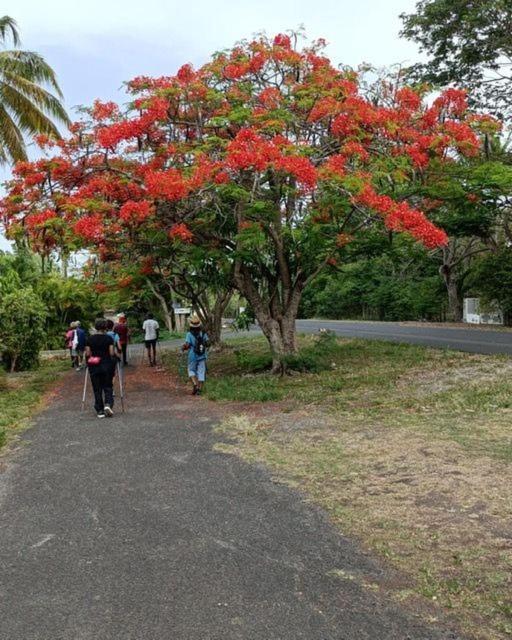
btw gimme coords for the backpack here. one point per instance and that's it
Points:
(200, 345)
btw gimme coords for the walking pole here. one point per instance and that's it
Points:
(121, 389)
(85, 386)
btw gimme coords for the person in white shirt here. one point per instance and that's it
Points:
(151, 330)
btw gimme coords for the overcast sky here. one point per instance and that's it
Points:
(96, 45)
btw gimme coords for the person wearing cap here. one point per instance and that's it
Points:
(196, 343)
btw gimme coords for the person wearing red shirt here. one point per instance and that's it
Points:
(121, 328)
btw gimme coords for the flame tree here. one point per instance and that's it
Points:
(268, 159)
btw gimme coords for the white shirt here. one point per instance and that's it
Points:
(150, 327)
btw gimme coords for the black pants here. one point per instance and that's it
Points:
(124, 348)
(101, 379)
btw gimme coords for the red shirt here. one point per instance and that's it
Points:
(121, 328)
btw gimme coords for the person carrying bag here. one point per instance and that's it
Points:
(99, 352)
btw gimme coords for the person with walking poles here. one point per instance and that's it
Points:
(151, 330)
(121, 328)
(69, 340)
(196, 343)
(99, 352)
(81, 338)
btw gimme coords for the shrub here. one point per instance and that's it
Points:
(253, 362)
(317, 356)
(22, 336)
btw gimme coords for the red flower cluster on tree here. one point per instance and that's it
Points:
(169, 184)
(181, 232)
(399, 216)
(90, 228)
(301, 168)
(37, 220)
(135, 212)
(249, 150)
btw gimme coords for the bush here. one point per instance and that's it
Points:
(22, 336)
(317, 356)
(253, 362)
(311, 359)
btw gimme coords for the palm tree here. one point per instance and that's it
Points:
(27, 108)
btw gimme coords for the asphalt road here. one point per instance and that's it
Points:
(136, 528)
(471, 339)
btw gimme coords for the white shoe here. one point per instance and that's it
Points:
(108, 411)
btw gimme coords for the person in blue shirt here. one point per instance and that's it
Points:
(81, 338)
(196, 343)
(117, 348)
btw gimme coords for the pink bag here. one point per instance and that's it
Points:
(94, 360)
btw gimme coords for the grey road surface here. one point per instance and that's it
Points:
(136, 528)
(471, 339)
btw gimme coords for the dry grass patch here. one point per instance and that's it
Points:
(410, 453)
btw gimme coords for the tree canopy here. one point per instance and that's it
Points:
(468, 44)
(267, 158)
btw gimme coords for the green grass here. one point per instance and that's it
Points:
(21, 395)
(408, 448)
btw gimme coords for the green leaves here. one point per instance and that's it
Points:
(26, 106)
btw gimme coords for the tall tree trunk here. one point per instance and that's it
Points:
(167, 308)
(211, 317)
(277, 321)
(454, 302)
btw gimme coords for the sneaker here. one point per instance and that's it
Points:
(108, 411)
(101, 414)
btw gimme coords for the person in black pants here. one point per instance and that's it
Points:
(99, 352)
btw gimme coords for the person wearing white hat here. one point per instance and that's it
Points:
(196, 343)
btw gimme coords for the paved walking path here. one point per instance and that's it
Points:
(134, 528)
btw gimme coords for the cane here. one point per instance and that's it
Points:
(121, 389)
(85, 386)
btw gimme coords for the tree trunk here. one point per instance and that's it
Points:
(281, 336)
(167, 309)
(276, 320)
(454, 302)
(211, 318)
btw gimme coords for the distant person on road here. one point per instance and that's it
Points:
(151, 330)
(99, 352)
(69, 342)
(196, 343)
(121, 328)
(115, 337)
(81, 339)
(117, 347)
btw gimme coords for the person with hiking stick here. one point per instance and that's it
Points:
(121, 328)
(99, 352)
(196, 343)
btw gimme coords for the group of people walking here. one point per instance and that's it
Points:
(104, 351)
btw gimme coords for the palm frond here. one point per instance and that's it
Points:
(12, 145)
(28, 114)
(9, 27)
(14, 88)
(29, 65)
